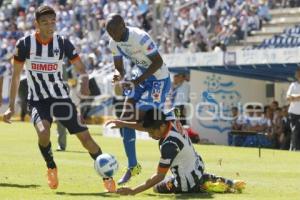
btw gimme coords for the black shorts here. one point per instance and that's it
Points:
(63, 110)
(168, 186)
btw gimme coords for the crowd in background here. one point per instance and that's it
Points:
(271, 122)
(198, 25)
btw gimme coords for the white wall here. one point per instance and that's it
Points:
(228, 90)
(280, 93)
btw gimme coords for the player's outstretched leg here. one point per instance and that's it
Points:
(213, 183)
(94, 150)
(134, 168)
(43, 130)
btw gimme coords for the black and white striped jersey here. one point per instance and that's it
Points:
(179, 155)
(44, 65)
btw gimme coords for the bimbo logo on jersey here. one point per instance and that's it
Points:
(46, 67)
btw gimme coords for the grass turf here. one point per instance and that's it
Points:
(23, 174)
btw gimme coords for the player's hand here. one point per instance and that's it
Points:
(125, 191)
(117, 78)
(7, 115)
(85, 91)
(128, 84)
(115, 124)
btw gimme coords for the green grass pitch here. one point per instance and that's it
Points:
(274, 176)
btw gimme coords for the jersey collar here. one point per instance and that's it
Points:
(41, 41)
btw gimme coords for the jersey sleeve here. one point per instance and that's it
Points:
(114, 50)
(20, 51)
(168, 153)
(70, 51)
(290, 90)
(148, 45)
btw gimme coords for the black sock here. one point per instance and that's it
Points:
(95, 155)
(48, 156)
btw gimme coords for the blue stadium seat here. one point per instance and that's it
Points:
(289, 38)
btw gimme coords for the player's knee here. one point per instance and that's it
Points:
(44, 139)
(42, 128)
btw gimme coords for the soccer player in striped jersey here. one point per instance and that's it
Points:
(148, 90)
(177, 155)
(42, 54)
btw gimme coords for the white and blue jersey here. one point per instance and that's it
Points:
(138, 47)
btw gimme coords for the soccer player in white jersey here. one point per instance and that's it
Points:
(148, 90)
(42, 54)
(177, 155)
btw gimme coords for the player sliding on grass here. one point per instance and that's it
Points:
(177, 155)
(42, 53)
(146, 91)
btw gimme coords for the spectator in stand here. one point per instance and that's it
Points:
(237, 119)
(249, 123)
(212, 7)
(277, 128)
(274, 105)
(236, 125)
(263, 12)
(253, 19)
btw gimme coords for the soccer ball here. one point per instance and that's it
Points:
(106, 165)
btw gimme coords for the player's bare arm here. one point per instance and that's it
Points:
(155, 179)
(84, 77)
(15, 81)
(292, 98)
(126, 124)
(157, 62)
(119, 66)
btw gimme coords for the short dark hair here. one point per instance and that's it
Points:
(275, 102)
(114, 20)
(154, 118)
(258, 107)
(249, 107)
(44, 10)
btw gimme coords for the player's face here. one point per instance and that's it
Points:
(234, 112)
(46, 25)
(116, 34)
(154, 133)
(157, 133)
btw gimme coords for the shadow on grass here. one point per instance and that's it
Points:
(13, 185)
(98, 194)
(183, 196)
(194, 196)
(67, 151)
